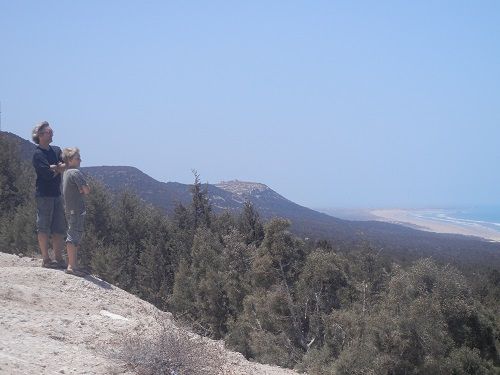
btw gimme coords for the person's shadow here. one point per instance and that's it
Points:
(101, 283)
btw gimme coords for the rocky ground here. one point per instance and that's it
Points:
(54, 323)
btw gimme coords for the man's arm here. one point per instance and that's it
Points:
(61, 166)
(43, 169)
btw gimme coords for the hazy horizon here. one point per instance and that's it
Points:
(330, 104)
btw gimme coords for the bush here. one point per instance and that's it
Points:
(466, 361)
(170, 350)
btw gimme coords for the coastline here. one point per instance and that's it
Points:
(416, 220)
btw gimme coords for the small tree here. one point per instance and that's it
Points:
(250, 225)
(200, 205)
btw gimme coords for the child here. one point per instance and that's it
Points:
(74, 188)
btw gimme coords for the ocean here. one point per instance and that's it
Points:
(481, 216)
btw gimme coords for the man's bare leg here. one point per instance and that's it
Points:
(58, 246)
(43, 242)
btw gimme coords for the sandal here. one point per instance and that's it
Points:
(75, 272)
(60, 264)
(49, 263)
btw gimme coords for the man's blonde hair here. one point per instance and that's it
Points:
(69, 153)
(35, 134)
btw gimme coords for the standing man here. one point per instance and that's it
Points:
(50, 220)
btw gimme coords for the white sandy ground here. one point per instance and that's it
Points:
(54, 323)
(405, 217)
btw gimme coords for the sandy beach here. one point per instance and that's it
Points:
(413, 219)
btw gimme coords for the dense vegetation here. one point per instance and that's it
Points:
(271, 295)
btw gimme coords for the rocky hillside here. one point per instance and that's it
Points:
(54, 323)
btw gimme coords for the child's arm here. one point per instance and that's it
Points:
(81, 182)
(85, 189)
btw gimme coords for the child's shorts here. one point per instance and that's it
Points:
(75, 227)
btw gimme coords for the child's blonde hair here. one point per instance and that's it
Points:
(69, 153)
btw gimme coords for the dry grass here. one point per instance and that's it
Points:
(171, 351)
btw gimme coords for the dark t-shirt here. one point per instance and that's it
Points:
(47, 184)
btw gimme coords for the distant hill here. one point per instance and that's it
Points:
(385, 238)
(26, 148)
(160, 194)
(230, 195)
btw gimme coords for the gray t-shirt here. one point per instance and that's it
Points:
(73, 180)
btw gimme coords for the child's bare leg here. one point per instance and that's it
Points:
(71, 250)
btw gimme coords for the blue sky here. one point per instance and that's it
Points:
(330, 103)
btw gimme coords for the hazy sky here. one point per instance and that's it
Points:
(330, 103)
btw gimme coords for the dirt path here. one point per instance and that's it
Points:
(53, 323)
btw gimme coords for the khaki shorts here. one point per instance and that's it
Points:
(50, 215)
